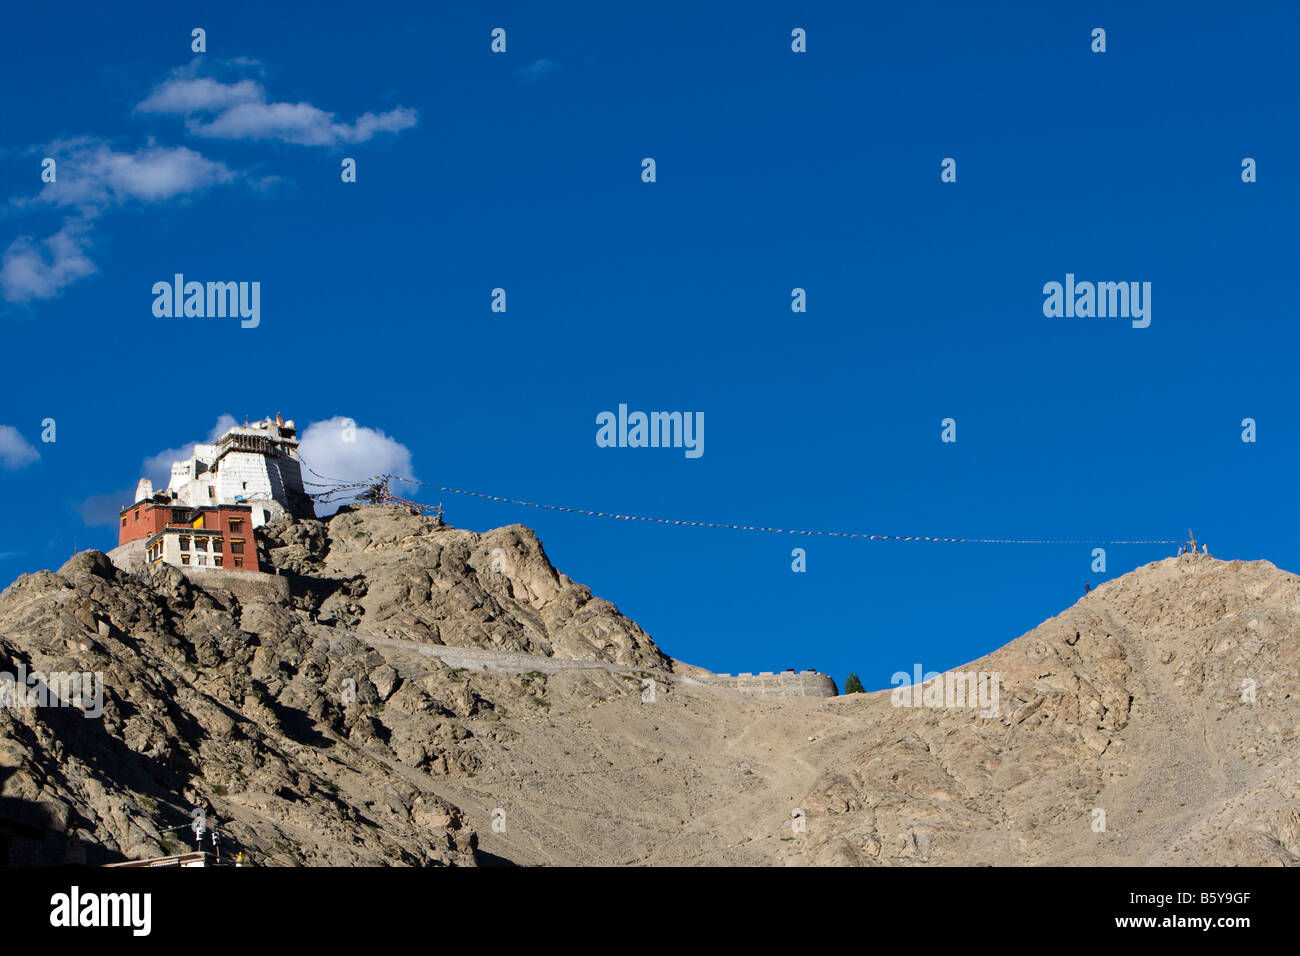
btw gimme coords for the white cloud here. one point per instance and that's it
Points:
(15, 452)
(243, 111)
(158, 468)
(324, 450)
(182, 94)
(41, 270)
(299, 123)
(93, 176)
(327, 455)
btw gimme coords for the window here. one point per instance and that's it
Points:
(236, 545)
(185, 541)
(236, 525)
(239, 562)
(123, 521)
(137, 514)
(203, 559)
(185, 559)
(212, 493)
(200, 544)
(216, 545)
(217, 560)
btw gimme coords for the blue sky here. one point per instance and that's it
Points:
(775, 170)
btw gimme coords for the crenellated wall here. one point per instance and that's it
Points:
(783, 684)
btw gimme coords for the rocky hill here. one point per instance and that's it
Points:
(1136, 702)
(396, 574)
(269, 714)
(316, 722)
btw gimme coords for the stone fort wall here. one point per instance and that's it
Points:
(243, 584)
(783, 684)
(128, 557)
(787, 684)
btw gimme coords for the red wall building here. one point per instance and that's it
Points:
(145, 518)
(230, 525)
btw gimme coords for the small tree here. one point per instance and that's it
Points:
(853, 685)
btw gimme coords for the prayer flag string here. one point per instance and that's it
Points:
(763, 529)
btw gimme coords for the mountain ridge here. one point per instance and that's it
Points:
(315, 728)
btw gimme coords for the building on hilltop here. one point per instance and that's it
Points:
(219, 537)
(250, 464)
(206, 516)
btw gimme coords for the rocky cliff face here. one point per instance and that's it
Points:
(1167, 699)
(269, 714)
(395, 574)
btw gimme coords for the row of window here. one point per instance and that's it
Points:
(200, 543)
(155, 555)
(217, 561)
(155, 551)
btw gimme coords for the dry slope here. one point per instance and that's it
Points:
(1130, 702)
(269, 714)
(311, 745)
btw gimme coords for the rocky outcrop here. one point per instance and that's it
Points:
(259, 705)
(206, 703)
(401, 575)
(1155, 722)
